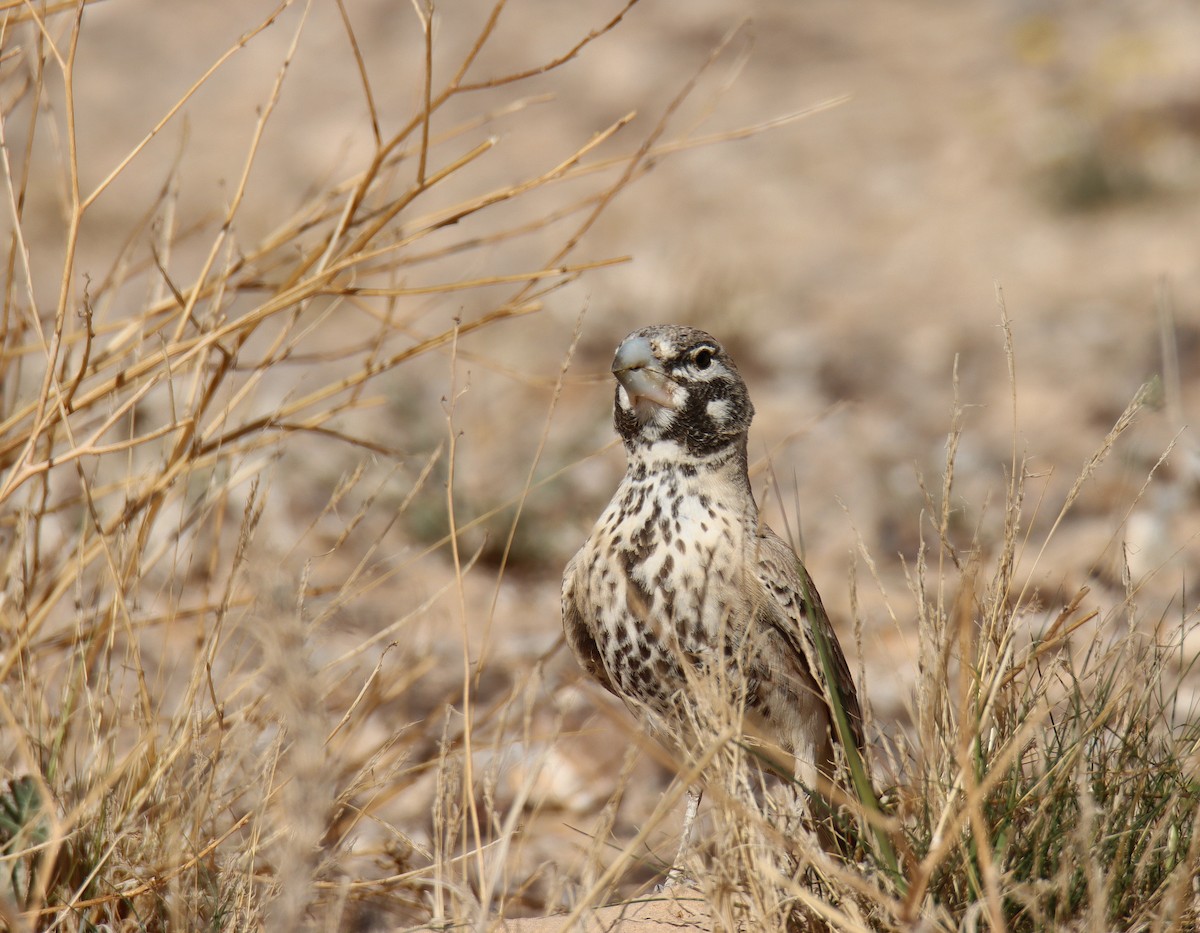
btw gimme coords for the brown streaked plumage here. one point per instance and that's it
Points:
(681, 586)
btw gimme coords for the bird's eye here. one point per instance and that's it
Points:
(702, 358)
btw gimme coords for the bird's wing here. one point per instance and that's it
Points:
(800, 619)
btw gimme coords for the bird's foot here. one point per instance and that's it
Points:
(675, 877)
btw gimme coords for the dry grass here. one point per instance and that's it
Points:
(1050, 782)
(209, 721)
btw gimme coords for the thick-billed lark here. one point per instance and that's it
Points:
(682, 591)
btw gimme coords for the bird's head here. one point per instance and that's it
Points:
(678, 385)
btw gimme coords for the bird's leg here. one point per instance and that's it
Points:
(675, 875)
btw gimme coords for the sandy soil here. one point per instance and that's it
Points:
(851, 260)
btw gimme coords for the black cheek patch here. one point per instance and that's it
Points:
(695, 428)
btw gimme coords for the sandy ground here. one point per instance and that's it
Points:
(852, 260)
(661, 913)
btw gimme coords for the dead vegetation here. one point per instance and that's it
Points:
(249, 675)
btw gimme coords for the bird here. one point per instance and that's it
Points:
(682, 591)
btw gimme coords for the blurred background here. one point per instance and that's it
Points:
(957, 160)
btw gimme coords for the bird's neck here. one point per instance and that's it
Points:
(668, 467)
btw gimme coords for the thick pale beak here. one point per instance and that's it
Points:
(642, 378)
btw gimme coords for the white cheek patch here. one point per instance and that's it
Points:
(718, 410)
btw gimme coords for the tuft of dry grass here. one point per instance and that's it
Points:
(213, 463)
(169, 727)
(196, 500)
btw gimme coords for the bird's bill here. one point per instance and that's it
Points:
(646, 389)
(646, 386)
